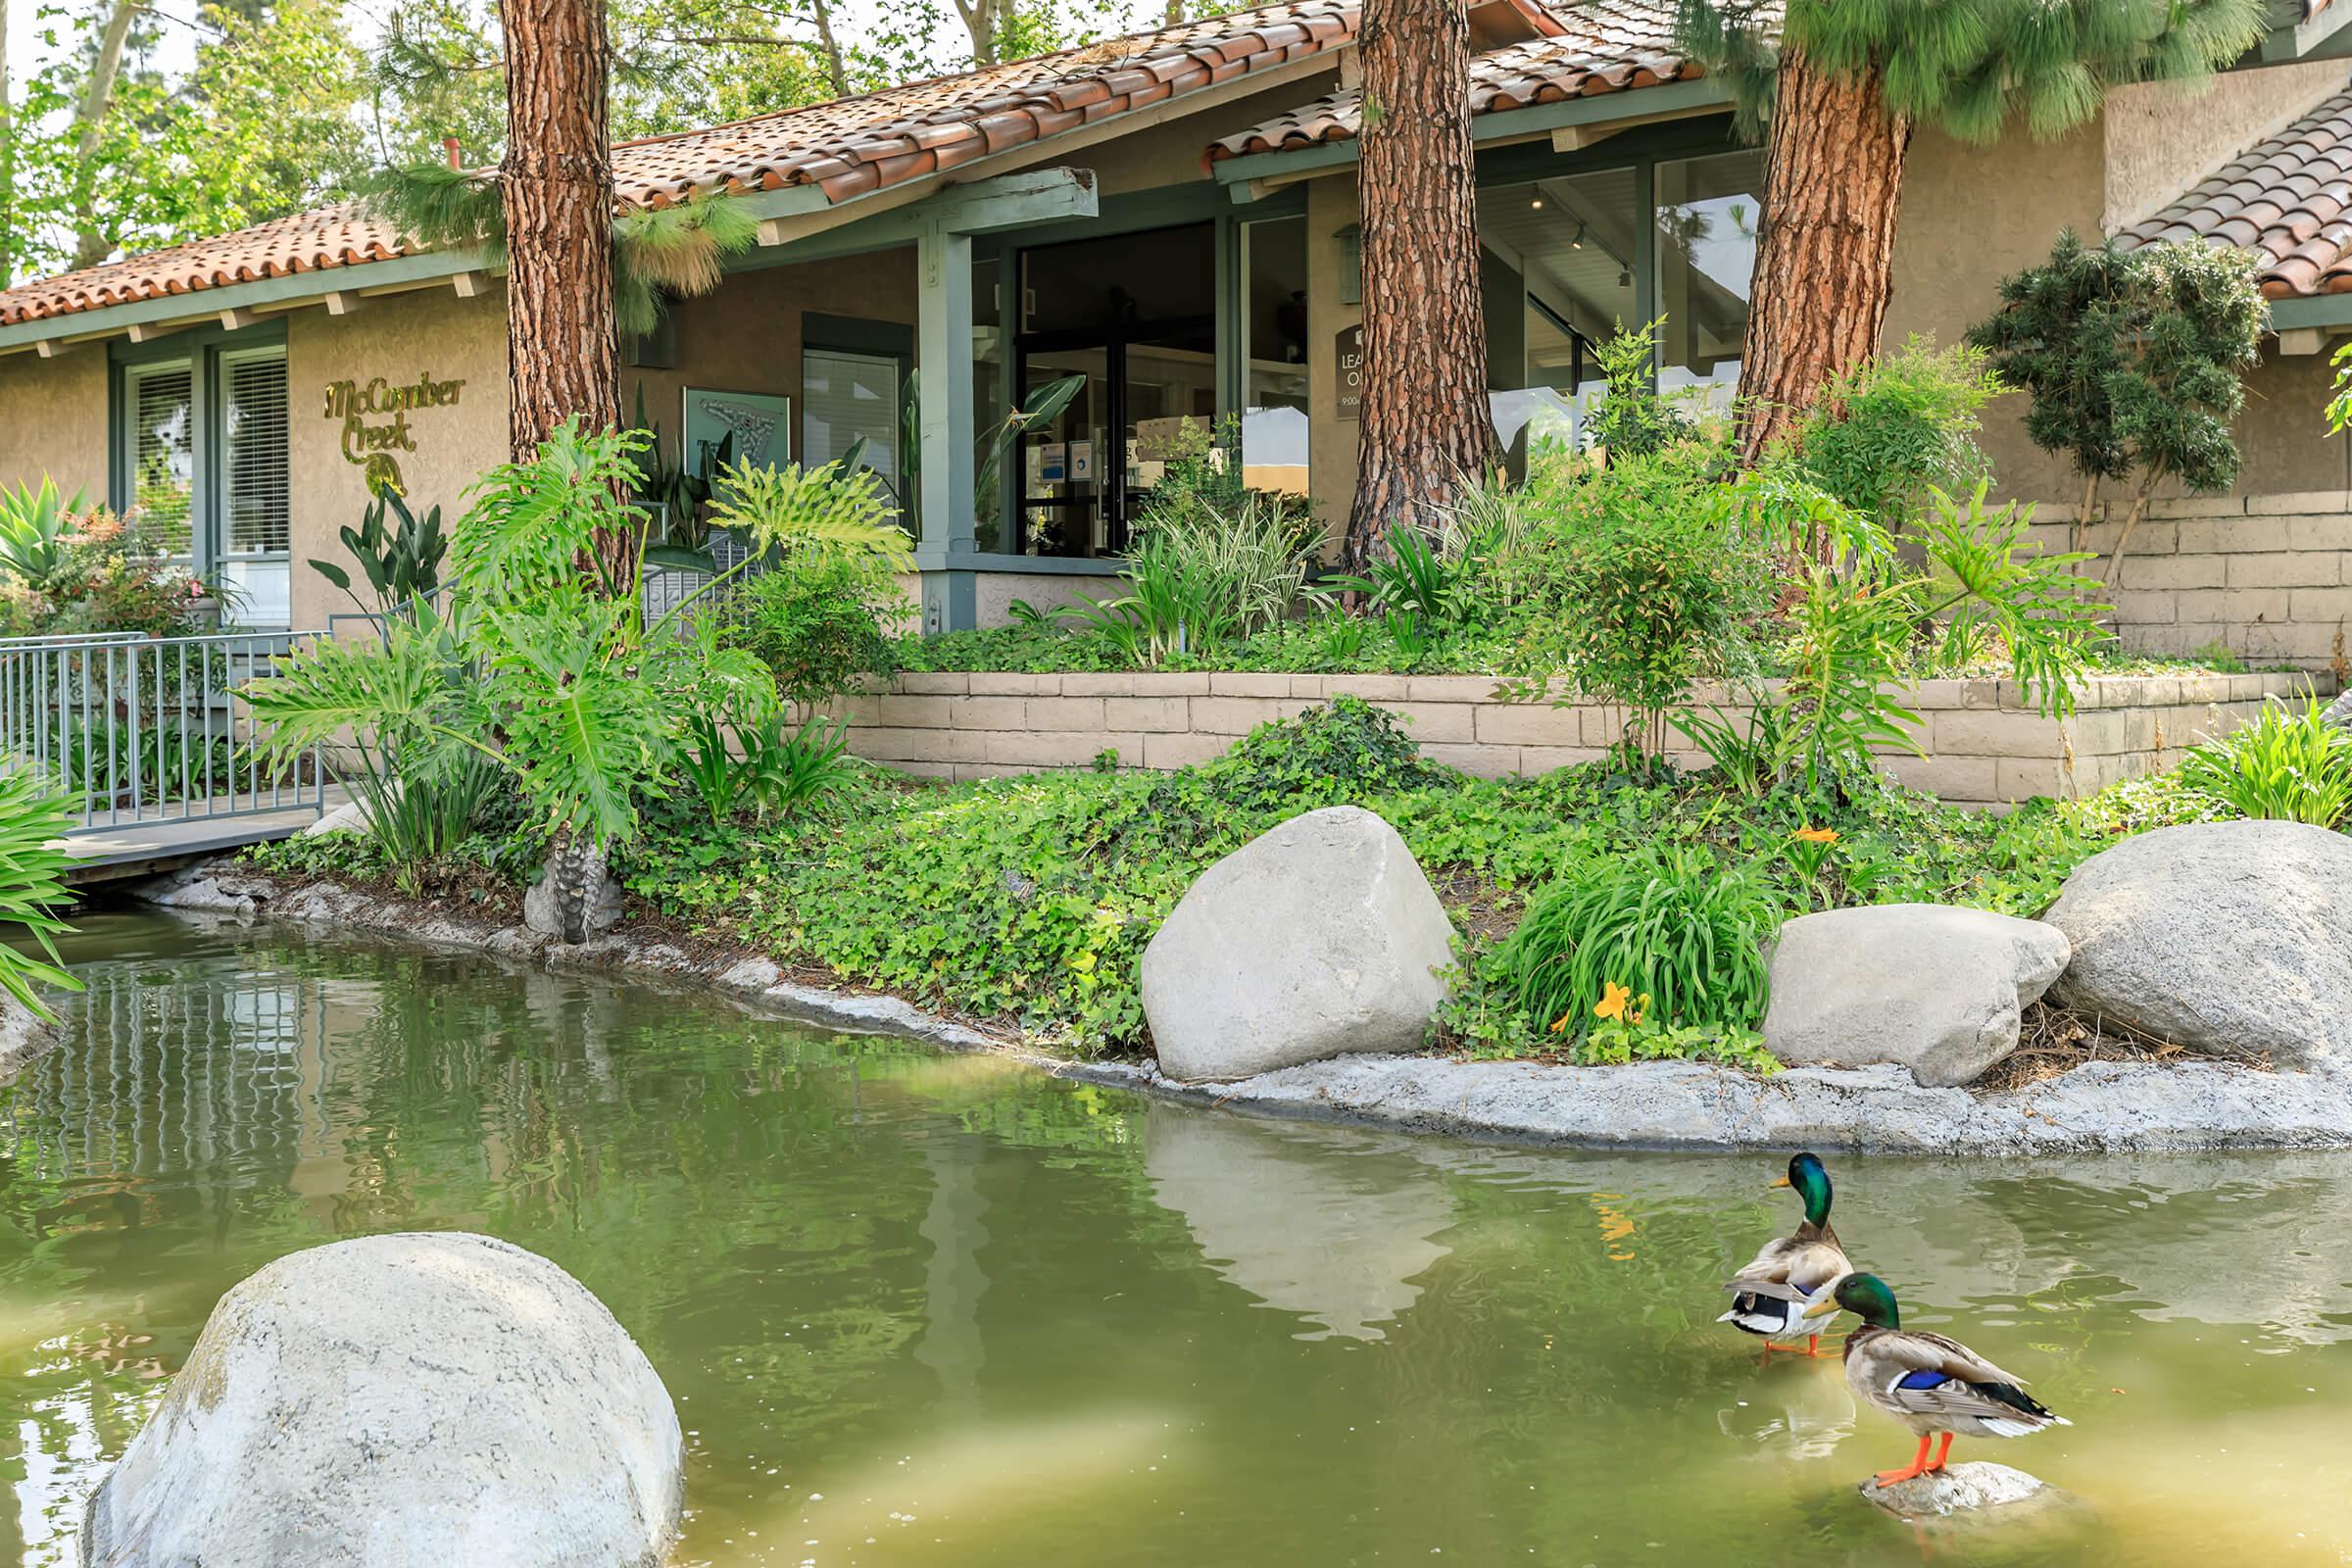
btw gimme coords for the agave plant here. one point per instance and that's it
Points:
(33, 888)
(400, 554)
(34, 521)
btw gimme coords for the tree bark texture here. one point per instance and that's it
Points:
(1832, 181)
(1426, 427)
(563, 346)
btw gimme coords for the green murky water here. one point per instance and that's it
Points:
(920, 1310)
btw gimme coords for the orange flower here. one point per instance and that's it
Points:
(1613, 1000)
(1560, 1023)
(1817, 835)
(1641, 1009)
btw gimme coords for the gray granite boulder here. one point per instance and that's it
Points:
(2232, 938)
(407, 1398)
(1937, 989)
(2339, 712)
(1317, 938)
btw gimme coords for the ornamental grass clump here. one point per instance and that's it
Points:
(2287, 764)
(1665, 939)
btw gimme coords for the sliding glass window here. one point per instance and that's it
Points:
(1706, 246)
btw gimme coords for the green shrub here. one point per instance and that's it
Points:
(817, 618)
(1639, 581)
(2136, 362)
(2289, 765)
(1885, 432)
(33, 888)
(1343, 750)
(34, 521)
(1668, 938)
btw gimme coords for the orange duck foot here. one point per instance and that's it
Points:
(1919, 1466)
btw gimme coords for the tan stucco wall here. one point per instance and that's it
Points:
(53, 419)
(402, 338)
(744, 337)
(2162, 138)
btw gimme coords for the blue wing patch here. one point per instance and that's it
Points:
(1920, 1380)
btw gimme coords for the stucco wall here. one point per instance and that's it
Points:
(2163, 137)
(53, 419)
(402, 338)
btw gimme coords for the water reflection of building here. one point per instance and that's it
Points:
(148, 1077)
(1332, 1229)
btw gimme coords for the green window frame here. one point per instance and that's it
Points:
(199, 439)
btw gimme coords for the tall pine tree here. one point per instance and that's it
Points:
(1843, 84)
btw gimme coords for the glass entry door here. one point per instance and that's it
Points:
(1135, 315)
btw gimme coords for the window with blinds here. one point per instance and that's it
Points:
(163, 451)
(845, 396)
(253, 452)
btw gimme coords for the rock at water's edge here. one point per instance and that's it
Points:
(2223, 937)
(1960, 1489)
(577, 876)
(1317, 938)
(1939, 990)
(24, 1035)
(416, 1398)
(2339, 712)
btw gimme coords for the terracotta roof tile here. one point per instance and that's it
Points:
(847, 148)
(2284, 198)
(1601, 46)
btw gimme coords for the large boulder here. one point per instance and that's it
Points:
(2339, 712)
(407, 1398)
(2233, 937)
(1937, 989)
(1317, 938)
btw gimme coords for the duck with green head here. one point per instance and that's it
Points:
(1930, 1384)
(1769, 1296)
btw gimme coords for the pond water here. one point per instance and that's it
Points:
(926, 1309)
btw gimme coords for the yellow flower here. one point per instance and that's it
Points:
(1641, 1009)
(1817, 835)
(1613, 1000)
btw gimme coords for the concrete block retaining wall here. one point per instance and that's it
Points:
(2267, 577)
(1983, 747)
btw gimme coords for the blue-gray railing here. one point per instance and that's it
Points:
(148, 729)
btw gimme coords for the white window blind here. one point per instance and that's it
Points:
(163, 409)
(254, 454)
(845, 396)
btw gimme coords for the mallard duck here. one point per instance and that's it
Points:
(1771, 1295)
(1927, 1382)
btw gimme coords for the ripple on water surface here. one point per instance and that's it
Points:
(924, 1309)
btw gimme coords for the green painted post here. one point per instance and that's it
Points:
(943, 350)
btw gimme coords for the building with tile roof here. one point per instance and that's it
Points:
(1172, 216)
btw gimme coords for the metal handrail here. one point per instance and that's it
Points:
(139, 729)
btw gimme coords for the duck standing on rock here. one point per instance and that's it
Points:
(1772, 1295)
(1927, 1382)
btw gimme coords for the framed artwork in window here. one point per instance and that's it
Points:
(759, 421)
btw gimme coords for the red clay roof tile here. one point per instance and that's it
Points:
(1601, 46)
(847, 148)
(2284, 198)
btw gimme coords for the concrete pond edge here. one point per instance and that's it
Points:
(2100, 1108)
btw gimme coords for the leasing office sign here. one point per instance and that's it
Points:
(374, 416)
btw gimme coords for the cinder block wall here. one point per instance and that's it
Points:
(1983, 747)
(2267, 577)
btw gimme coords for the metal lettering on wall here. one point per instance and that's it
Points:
(372, 441)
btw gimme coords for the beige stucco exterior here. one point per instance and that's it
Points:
(53, 419)
(399, 338)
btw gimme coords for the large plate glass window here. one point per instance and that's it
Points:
(252, 526)
(1274, 356)
(1557, 273)
(1706, 245)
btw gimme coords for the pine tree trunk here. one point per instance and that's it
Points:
(1426, 427)
(562, 347)
(1833, 178)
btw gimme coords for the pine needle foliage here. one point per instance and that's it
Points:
(660, 254)
(1970, 68)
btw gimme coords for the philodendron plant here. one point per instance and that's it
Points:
(543, 663)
